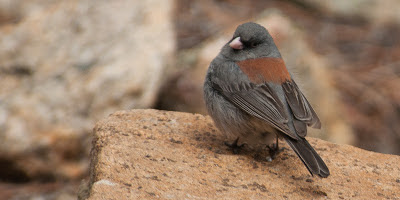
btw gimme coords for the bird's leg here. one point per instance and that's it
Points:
(234, 146)
(274, 150)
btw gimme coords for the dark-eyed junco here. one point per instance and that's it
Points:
(251, 96)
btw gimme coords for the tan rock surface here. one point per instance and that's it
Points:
(149, 154)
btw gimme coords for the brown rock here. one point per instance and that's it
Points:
(66, 64)
(144, 154)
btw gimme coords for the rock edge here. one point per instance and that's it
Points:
(170, 155)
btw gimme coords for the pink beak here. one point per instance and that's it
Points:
(236, 44)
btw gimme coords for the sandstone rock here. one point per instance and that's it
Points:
(146, 154)
(68, 65)
(311, 71)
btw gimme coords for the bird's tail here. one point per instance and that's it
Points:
(308, 156)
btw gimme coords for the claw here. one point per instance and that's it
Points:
(274, 150)
(234, 146)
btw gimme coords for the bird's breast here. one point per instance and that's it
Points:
(261, 70)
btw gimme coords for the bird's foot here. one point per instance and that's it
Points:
(274, 150)
(234, 146)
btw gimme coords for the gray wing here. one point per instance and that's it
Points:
(262, 102)
(259, 101)
(300, 107)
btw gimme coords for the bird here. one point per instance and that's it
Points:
(251, 96)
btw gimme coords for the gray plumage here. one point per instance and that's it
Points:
(256, 113)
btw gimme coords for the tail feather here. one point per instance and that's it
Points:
(308, 156)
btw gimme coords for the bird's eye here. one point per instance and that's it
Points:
(254, 44)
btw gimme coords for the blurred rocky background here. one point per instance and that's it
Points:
(66, 64)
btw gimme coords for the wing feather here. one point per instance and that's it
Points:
(299, 105)
(259, 101)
